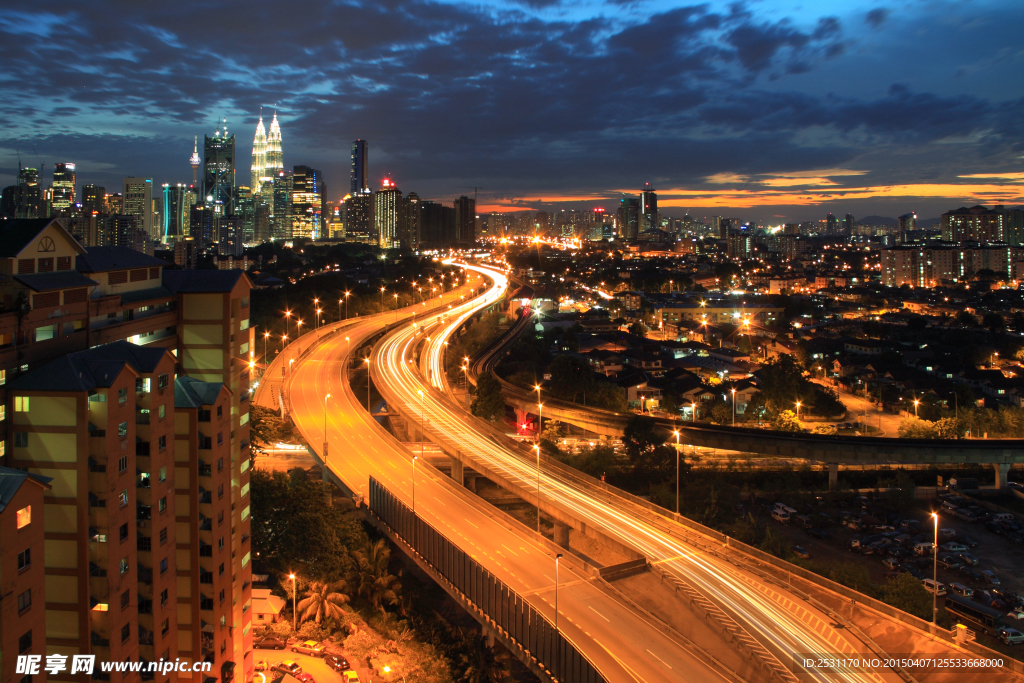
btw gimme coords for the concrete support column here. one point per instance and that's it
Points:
(1002, 472)
(470, 481)
(562, 534)
(833, 475)
(457, 471)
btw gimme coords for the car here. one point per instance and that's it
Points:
(986, 598)
(949, 561)
(969, 573)
(1010, 636)
(287, 667)
(1015, 615)
(309, 647)
(936, 587)
(1013, 536)
(897, 552)
(818, 533)
(967, 515)
(990, 577)
(962, 590)
(891, 563)
(270, 644)
(967, 558)
(968, 541)
(954, 547)
(912, 570)
(337, 662)
(305, 678)
(801, 553)
(994, 527)
(350, 676)
(947, 534)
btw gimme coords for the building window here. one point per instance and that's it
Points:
(220, 411)
(142, 385)
(122, 532)
(220, 491)
(162, 475)
(162, 380)
(3, 413)
(220, 543)
(161, 412)
(220, 464)
(24, 601)
(122, 430)
(163, 535)
(24, 515)
(163, 565)
(162, 504)
(122, 498)
(25, 642)
(24, 559)
(21, 404)
(124, 565)
(122, 463)
(126, 599)
(161, 444)
(165, 627)
(122, 396)
(220, 571)
(3, 377)
(220, 438)
(21, 439)
(126, 632)
(163, 598)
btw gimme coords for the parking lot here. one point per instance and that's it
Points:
(314, 666)
(829, 540)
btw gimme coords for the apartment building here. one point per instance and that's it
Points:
(22, 588)
(92, 345)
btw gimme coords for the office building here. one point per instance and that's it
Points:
(976, 224)
(359, 217)
(275, 151)
(63, 191)
(848, 224)
(259, 157)
(138, 201)
(219, 168)
(307, 203)
(387, 214)
(739, 245)
(360, 167)
(437, 224)
(176, 211)
(648, 209)
(281, 208)
(628, 218)
(465, 221)
(93, 200)
(907, 223)
(410, 232)
(25, 200)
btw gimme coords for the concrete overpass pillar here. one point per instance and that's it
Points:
(833, 475)
(1002, 472)
(562, 534)
(470, 481)
(457, 471)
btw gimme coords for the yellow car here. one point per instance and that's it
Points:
(350, 676)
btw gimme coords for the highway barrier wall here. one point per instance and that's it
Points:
(511, 613)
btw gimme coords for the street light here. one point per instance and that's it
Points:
(733, 407)
(414, 459)
(295, 615)
(676, 432)
(316, 307)
(287, 319)
(559, 656)
(798, 411)
(916, 403)
(325, 428)
(396, 308)
(266, 336)
(347, 295)
(536, 387)
(536, 447)
(284, 341)
(382, 299)
(935, 570)
(367, 359)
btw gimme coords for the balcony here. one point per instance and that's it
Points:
(145, 636)
(98, 641)
(145, 574)
(96, 570)
(142, 417)
(145, 607)
(205, 496)
(205, 470)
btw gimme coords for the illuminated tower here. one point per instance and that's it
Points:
(195, 161)
(259, 157)
(275, 157)
(63, 186)
(387, 214)
(219, 168)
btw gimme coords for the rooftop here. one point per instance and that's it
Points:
(201, 280)
(102, 259)
(11, 480)
(19, 232)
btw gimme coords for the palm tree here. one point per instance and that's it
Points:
(323, 601)
(479, 662)
(376, 583)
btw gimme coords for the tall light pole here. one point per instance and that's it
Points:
(287, 319)
(935, 570)
(347, 295)
(325, 428)
(536, 447)
(676, 432)
(559, 656)
(266, 336)
(367, 359)
(284, 341)
(916, 403)
(798, 411)
(733, 407)
(422, 435)
(414, 458)
(396, 308)
(295, 614)
(316, 308)
(382, 299)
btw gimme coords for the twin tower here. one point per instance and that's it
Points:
(267, 156)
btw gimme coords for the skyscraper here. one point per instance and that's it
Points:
(848, 224)
(648, 208)
(410, 233)
(176, 210)
(194, 161)
(138, 202)
(629, 217)
(259, 157)
(387, 214)
(219, 168)
(358, 216)
(360, 166)
(93, 199)
(275, 153)
(465, 220)
(307, 203)
(281, 216)
(29, 202)
(63, 186)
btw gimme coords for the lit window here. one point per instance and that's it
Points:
(122, 430)
(122, 498)
(21, 404)
(24, 516)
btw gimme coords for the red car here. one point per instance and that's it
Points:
(305, 678)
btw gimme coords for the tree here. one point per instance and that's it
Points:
(488, 403)
(264, 428)
(571, 377)
(375, 582)
(783, 384)
(647, 452)
(786, 422)
(966, 319)
(323, 601)
(908, 594)
(852, 576)
(993, 322)
(638, 329)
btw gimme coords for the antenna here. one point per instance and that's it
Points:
(474, 188)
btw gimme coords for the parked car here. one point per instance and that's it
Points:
(897, 552)
(986, 598)
(337, 662)
(270, 644)
(1015, 615)
(305, 678)
(923, 548)
(994, 527)
(990, 577)
(962, 590)
(287, 667)
(309, 647)
(947, 534)
(350, 676)
(967, 541)
(801, 553)
(949, 561)
(803, 521)
(954, 547)
(970, 573)
(891, 563)
(818, 533)
(967, 558)
(1010, 636)
(932, 586)
(967, 515)
(912, 570)
(780, 516)
(1014, 536)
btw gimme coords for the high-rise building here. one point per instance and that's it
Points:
(275, 152)
(138, 201)
(281, 215)
(29, 196)
(437, 224)
(739, 245)
(465, 221)
(307, 203)
(848, 224)
(387, 214)
(976, 224)
(1014, 230)
(194, 161)
(219, 168)
(176, 210)
(831, 224)
(359, 217)
(93, 200)
(907, 222)
(628, 219)
(410, 233)
(360, 167)
(648, 208)
(259, 157)
(63, 187)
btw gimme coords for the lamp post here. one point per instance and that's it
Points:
(536, 387)
(287, 319)
(318, 323)
(536, 447)
(382, 299)
(266, 336)
(325, 428)
(347, 295)
(733, 407)
(414, 458)
(558, 668)
(367, 359)
(284, 341)
(420, 391)
(798, 411)
(676, 432)
(298, 330)
(916, 403)
(935, 569)
(396, 308)
(295, 615)
(316, 308)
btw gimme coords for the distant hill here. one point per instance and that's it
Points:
(879, 220)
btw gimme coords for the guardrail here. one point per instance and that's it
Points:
(510, 612)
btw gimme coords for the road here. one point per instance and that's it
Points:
(621, 642)
(781, 622)
(859, 409)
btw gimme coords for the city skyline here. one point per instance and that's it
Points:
(761, 110)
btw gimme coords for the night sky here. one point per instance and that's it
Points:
(770, 110)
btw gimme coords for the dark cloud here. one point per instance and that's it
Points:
(876, 17)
